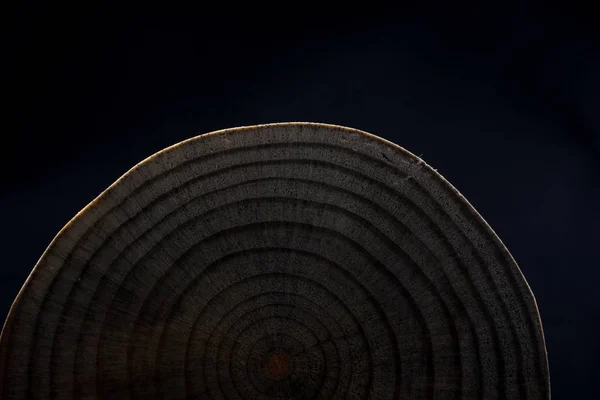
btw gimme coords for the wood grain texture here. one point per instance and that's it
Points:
(289, 260)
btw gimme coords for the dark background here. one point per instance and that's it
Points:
(502, 99)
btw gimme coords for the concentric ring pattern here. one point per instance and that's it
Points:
(287, 260)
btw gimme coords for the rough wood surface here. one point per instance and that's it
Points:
(285, 260)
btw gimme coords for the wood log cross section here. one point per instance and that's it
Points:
(292, 260)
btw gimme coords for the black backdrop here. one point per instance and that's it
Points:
(503, 100)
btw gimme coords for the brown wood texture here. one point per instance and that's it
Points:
(291, 260)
